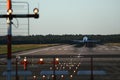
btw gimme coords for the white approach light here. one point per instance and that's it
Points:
(9, 11)
(35, 10)
(41, 59)
(57, 59)
(25, 59)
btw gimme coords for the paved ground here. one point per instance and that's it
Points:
(70, 49)
(110, 66)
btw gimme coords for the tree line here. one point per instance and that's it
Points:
(50, 39)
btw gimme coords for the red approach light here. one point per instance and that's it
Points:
(34, 78)
(56, 61)
(41, 61)
(25, 63)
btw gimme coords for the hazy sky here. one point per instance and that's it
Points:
(76, 17)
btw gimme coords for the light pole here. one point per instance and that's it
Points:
(62, 77)
(9, 37)
(71, 76)
(17, 57)
(9, 17)
(25, 66)
(92, 78)
(55, 61)
(43, 77)
(54, 78)
(34, 78)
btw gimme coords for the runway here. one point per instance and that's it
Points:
(70, 49)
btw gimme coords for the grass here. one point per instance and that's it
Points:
(22, 47)
(113, 44)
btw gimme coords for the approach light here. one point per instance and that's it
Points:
(50, 68)
(57, 59)
(76, 67)
(71, 76)
(25, 59)
(25, 62)
(74, 71)
(52, 76)
(36, 15)
(41, 59)
(62, 76)
(43, 76)
(56, 67)
(35, 10)
(9, 11)
(34, 77)
(63, 67)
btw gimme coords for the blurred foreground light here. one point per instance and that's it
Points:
(9, 11)
(50, 68)
(34, 77)
(74, 71)
(56, 67)
(76, 67)
(41, 59)
(57, 59)
(25, 59)
(71, 76)
(70, 68)
(52, 76)
(62, 76)
(35, 10)
(43, 76)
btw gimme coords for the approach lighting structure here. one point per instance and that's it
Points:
(41, 61)
(11, 16)
(56, 61)
(25, 63)
(9, 11)
(35, 10)
(34, 78)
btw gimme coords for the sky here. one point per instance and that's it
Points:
(75, 17)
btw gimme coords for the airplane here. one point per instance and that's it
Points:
(86, 42)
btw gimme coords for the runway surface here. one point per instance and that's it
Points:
(70, 49)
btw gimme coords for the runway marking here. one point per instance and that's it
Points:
(106, 49)
(30, 52)
(59, 49)
(98, 49)
(45, 49)
(84, 49)
(52, 49)
(70, 48)
(113, 49)
(65, 49)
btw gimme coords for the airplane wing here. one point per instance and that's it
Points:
(78, 41)
(88, 41)
(92, 41)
